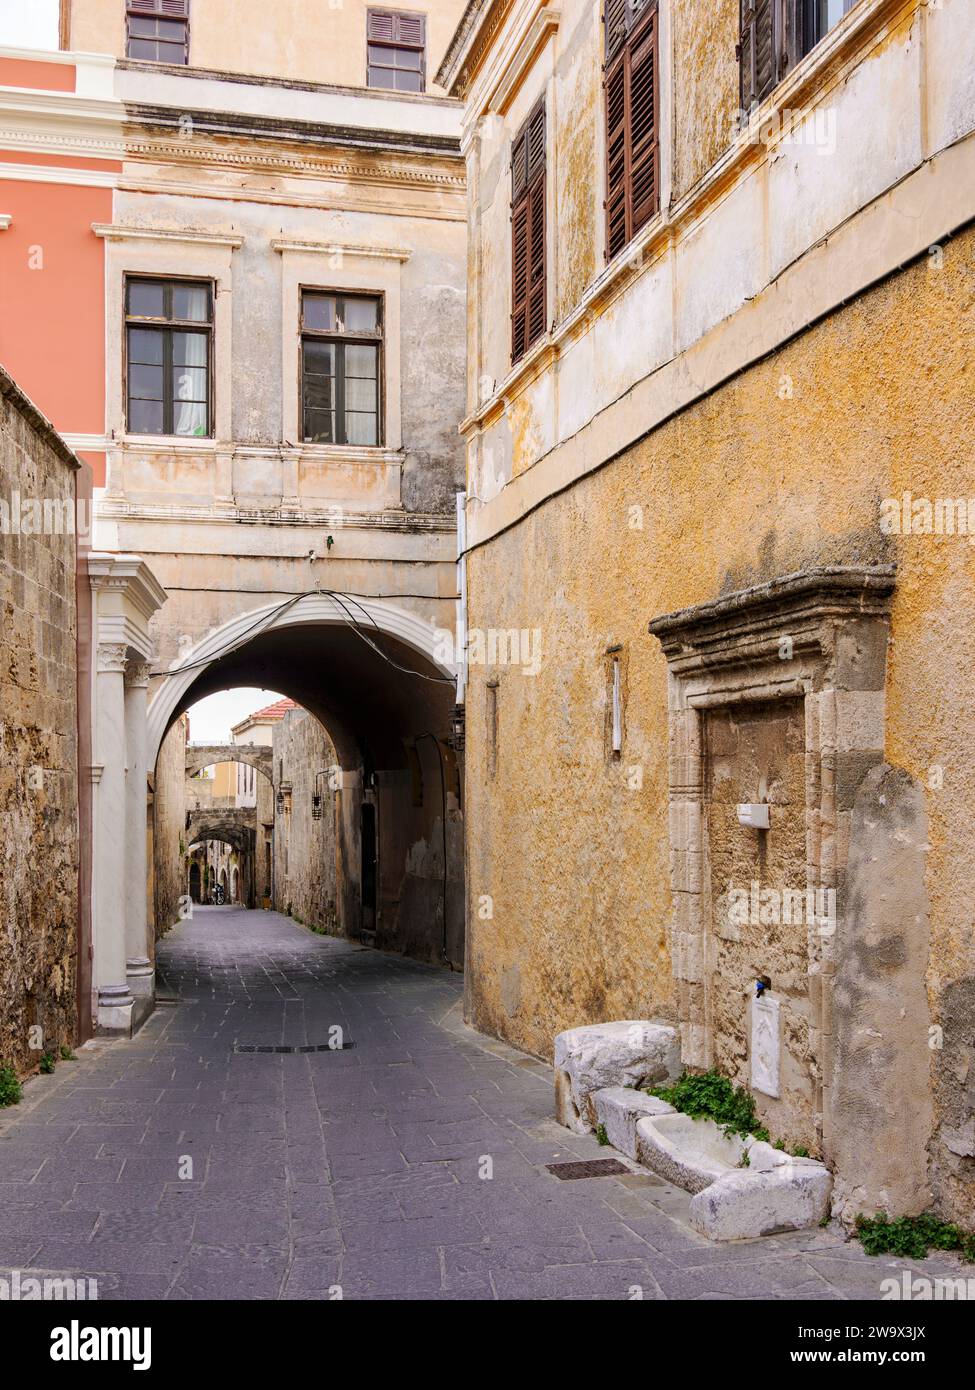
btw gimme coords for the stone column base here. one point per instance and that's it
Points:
(140, 975)
(115, 1005)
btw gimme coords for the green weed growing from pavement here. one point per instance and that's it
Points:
(47, 1063)
(912, 1237)
(601, 1135)
(10, 1088)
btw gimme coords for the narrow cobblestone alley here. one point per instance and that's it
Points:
(357, 1170)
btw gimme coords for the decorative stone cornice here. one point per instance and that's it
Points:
(328, 248)
(250, 126)
(542, 27)
(715, 632)
(130, 575)
(407, 523)
(119, 232)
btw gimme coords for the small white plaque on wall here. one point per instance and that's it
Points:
(766, 1045)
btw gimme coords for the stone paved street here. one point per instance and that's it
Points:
(357, 1168)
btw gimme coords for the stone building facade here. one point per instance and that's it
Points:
(169, 850)
(719, 564)
(283, 224)
(44, 940)
(306, 778)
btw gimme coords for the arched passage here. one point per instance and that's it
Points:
(371, 676)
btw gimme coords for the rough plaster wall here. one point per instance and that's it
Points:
(741, 487)
(433, 369)
(881, 1020)
(168, 827)
(413, 901)
(706, 86)
(307, 889)
(756, 752)
(432, 339)
(578, 189)
(39, 854)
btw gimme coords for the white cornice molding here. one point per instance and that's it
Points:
(51, 173)
(129, 573)
(63, 107)
(5, 221)
(322, 514)
(544, 25)
(65, 56)
(332, 248)
(118, 232)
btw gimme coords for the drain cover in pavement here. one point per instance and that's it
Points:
(588, 1168)
(311, 1047)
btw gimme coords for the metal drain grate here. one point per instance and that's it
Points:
(587, 1168)
(310, 1047)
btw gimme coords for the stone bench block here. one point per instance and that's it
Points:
(618, 1110)
(630, 1053)
(789, 1196)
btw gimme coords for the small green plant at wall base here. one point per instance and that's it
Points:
(912, 1237)
(47, 1063)
(800, 1151)
(66, 1054)
(711, 1096)
(601, 1136)
(10, 1091)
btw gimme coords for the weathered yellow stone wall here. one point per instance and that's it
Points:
(706, 87)
(169, 828)
(782, 468)
(39, 834)
(304, 848)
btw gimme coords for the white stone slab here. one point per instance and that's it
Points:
(748, 1203)
(618, 1109)
(632, 1053)
(766, 1044)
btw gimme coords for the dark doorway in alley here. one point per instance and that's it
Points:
(368, 841)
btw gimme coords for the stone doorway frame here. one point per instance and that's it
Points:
(819, 635)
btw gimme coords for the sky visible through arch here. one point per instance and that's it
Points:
(212, 718)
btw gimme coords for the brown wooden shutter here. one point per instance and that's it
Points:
(644, 146)
(616, 162)
(632, 142)
(759, 50)
(528, 270)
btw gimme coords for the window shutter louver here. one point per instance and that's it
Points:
(632, 145)
(410, 28)
(170, 9)
(643, 127)
(519, 279)
(528, 270)
(616, 191)
(381, 26)
(536, 283)
(758, 50)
